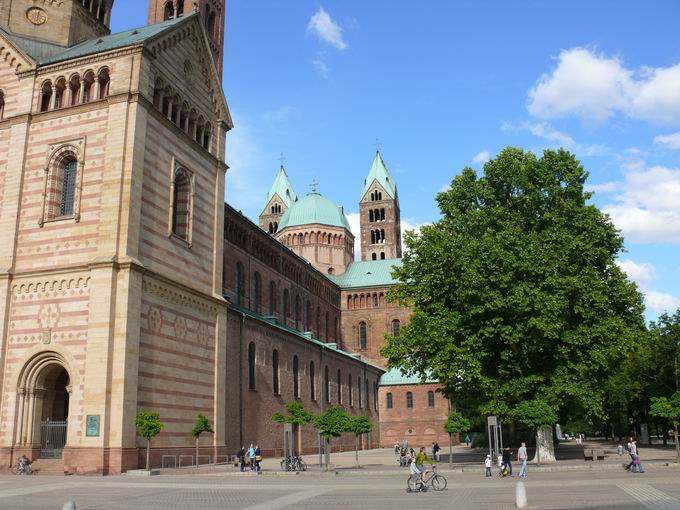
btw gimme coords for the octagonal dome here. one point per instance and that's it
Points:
(314, 209)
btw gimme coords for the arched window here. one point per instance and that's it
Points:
(180, 7)
(2, 104)
(60, 186)
(430, 399)
(276, 226)
(336, 335)
(271, 228)
(168, 11)
(272, 298)
(372, 236)
(390, 401)
(181, 204)
(396, 328)
(298, 312)
(409, 399)
(251, 366)
(296, 377)
(382, 255)
(373, 256)
(339, 387)
(307, 317)
(59, 90)
(275, 372)
(350, 390)
(46, 96)
(257, 294)
(368, 395)
(370, 215)
(362, 336)
(318, 322)
(286, 304)
(206, 136)
(88, 84)
(238, 279)
(326, 325)
(375, 395)
(104, 82)
(68, 190)
(375, 301)
(312, 381)
(326, 385)
(361, 400)
(301, 239)
(74, 90)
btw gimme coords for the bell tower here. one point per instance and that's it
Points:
(63, 23)
(379, 215)
(212, 16)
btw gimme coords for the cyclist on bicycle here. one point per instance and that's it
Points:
(416, 475)
(23, 465)
(422, 458)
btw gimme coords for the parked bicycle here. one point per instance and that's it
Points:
(294, 463)
(23, 467)
(437, 482)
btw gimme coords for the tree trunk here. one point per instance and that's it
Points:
(450, 451)
(545, 451)
(677, 445)
(148, 447)
(196, 451)
(356, 449)
(327, 453)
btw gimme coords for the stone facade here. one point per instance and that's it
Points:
(330, 249)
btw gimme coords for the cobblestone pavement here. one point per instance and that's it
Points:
(658, 490)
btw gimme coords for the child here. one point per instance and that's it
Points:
(500, 464)
(487, 465)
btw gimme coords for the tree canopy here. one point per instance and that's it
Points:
(358, 425)
(667, 408)
(534, 414)
(202, 425)
(515, 291)
(456, 423)
(148, 424)
(297, 414)
(332, 422)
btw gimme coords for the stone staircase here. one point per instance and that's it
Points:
(48, 467)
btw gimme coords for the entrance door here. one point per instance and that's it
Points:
(52, 439)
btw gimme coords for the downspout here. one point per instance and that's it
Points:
(240, 380)
(322, 395)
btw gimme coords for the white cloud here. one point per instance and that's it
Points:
(547, 132)
(592, 86)
(321, 67)
(661, 301)
(670, 141)
(642, 274)
(480, 158)
(605, 187)
(647, 209)
(322, 25)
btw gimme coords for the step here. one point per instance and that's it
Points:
(48, 467)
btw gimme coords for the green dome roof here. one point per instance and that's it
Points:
(314, 208)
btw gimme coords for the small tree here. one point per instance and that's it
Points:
(358, 425)
(202, 425)
(668, 408)
(297, 416)
(149, 425)
(538, 415)
(455, 424)
(331, 423)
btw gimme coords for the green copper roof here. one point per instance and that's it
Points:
(311, 209)
(379, 172)
(394, 377)
(117, 40)
(367, 273)
(283, 188)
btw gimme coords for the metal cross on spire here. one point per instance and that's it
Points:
(377, 145)
(313, 185)
(282, 159)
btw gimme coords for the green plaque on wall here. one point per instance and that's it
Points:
(92, 425)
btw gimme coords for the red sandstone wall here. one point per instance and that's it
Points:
(420, 425)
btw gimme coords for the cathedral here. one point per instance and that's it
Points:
(128, 285)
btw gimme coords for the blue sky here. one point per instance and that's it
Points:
(447, 84)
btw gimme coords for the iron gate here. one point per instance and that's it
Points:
(52, 439)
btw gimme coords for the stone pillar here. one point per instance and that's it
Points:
(53, 99)
(170, 109)
(21, 393)
(97, 89)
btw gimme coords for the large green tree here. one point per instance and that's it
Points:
(515, 291)
(331, 423)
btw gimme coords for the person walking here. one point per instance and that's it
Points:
(632, 451)
(242, 458)
(251, 457)
(507, 461)
(487, 466)
(522, 458)
(258, 458)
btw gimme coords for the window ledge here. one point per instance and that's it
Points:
(180, 239)
(70, 217)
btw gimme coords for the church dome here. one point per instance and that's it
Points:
(314, 209)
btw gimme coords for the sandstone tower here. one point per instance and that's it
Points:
(379, 214)
(211, 13)
(280, 198)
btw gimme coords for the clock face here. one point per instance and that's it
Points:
(36, 15)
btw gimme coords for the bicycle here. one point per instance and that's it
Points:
(22, 469)
(294, 463)
(437, 482)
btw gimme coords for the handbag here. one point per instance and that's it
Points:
(258, 458)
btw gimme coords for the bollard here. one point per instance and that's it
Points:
(69, 505)
(520, 495)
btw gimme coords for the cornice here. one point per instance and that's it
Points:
(86, 59)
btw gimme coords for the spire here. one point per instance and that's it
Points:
(379, 172)
(283, 188)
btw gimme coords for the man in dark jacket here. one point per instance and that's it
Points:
(507, 460)
(241, 454)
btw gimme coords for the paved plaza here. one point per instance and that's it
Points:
(656, 489)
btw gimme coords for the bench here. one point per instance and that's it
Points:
(593, 454)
